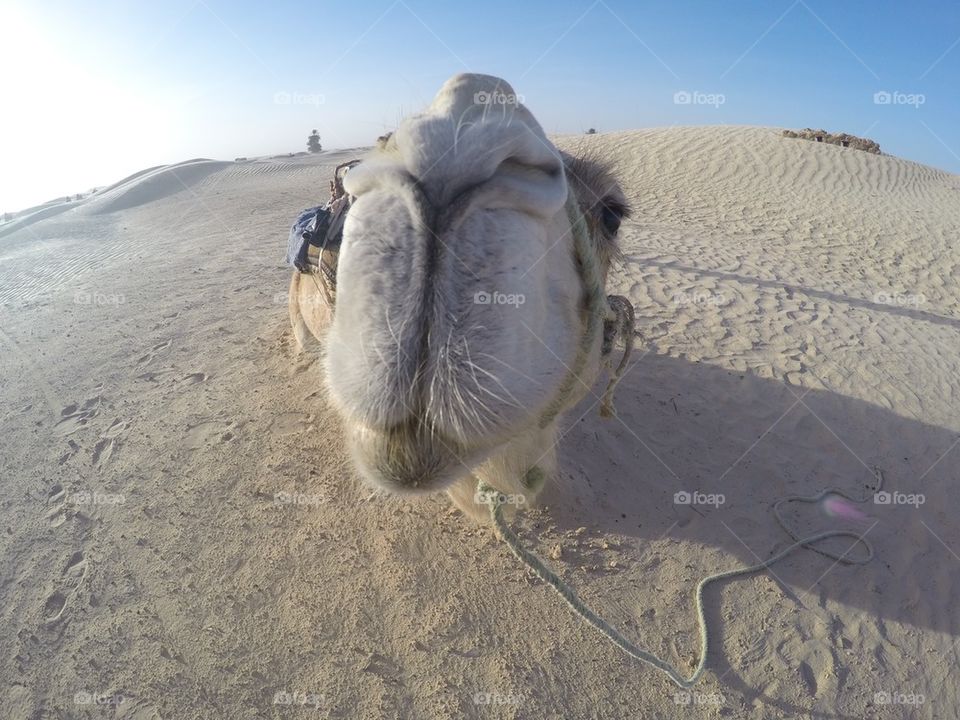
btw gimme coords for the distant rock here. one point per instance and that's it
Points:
(842, 139)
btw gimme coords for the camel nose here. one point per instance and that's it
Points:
(409, 458)
(452, 211)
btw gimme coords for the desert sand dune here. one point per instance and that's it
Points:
(183, 529)
(154, 185)
(32, 215)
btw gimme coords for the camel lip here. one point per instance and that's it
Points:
(409, 459)
(386, 478)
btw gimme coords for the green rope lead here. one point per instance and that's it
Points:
(496, 500)
(596, 308)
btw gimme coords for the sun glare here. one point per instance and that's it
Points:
(66, 123)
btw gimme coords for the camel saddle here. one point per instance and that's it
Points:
(314, 243)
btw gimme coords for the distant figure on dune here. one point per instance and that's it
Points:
(470, 308)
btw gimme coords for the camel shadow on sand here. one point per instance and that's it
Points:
(889, 307)
(691, 427)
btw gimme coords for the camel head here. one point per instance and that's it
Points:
(460, 303)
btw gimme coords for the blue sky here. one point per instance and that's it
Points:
(97, 90)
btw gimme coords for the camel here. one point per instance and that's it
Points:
(470, 309)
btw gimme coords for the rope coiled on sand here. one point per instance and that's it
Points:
(496, 500)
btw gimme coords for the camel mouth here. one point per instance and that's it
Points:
(409, 458)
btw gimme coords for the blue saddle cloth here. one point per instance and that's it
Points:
(310, 228)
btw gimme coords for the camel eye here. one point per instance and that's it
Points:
(611, 215)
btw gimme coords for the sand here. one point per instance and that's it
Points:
(183, 537)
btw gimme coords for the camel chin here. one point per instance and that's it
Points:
(459, 299)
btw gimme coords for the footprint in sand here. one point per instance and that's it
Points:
(73, 417)
(142, 362)
(194, 378)
(103, 450)
(153, 376)
(381, 666)
(809, 679)
(57, 513)
(289, 423)
(209, 433)
(70, 580)
(72, 450)
(134, 709)
(109, 441)
(117, 427)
